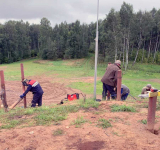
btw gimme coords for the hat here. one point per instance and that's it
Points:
(25, 80)
(118, 62)
(148, 86)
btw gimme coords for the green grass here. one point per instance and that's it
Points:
(103, 123)
(45, 115)
(117, 108)
(11, 124)
(135, 77)
(58, 132)
(144, 121)
(79, 121)
(115, 133)
(89, 103)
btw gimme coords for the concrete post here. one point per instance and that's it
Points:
(119, 82)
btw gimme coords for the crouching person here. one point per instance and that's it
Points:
(124, 92)
(35, 88)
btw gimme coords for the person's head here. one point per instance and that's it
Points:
(118, 62)
(148, 86)
(25, 82)
(109, 63)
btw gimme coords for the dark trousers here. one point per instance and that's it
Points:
(124, 97)
(110, 89)
(37, 98)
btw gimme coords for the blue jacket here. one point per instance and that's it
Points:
(34, 87)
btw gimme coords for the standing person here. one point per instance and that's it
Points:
(109, 79)
(36, 89)
(146, 89)
(124, 92)
(104, 92)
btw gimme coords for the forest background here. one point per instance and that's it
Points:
(126, 35)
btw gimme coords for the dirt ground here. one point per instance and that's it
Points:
(126, 133)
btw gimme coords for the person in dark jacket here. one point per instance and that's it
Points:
(109, 79)
(105, 92)
(35, 88)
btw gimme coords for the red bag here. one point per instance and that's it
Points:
(73, 96)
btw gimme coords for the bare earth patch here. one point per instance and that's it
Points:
(151, 80)
(3, 67)
(126, 133)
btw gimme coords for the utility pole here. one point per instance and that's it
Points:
(96, 52)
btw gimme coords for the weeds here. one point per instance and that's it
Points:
(79, 121)
(115, 133)
(11, 124)
(44, 115)
(117, 108)
(144, 121)
(58, 132)
(104, 123)
(40, 116)
(89, 103)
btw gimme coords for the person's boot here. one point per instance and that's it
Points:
(33, 105)
(108, 98)
(103, 96)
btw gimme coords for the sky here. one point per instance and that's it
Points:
(57, 11)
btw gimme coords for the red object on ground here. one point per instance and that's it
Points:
(72, 97)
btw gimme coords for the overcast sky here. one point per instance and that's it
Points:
(57, 11)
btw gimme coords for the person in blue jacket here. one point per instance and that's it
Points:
(36, 89)
(124, 92)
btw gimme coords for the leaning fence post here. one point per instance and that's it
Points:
(3, 92)
(119, 82)
(151, 113)
(23, 87)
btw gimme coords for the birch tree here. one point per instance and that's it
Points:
(126, 13)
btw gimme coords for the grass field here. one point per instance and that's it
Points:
(135, 77)
(115, 123)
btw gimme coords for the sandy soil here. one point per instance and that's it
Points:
(126, 133)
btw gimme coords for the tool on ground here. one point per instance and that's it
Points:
(132, 96)
(72, 97)
(98, 100)
(13, 105)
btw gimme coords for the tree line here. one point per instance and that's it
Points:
(124, 34)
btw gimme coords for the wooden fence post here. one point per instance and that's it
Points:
(23, 87)
(119, 82)
(3, 91)
(151, 113)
